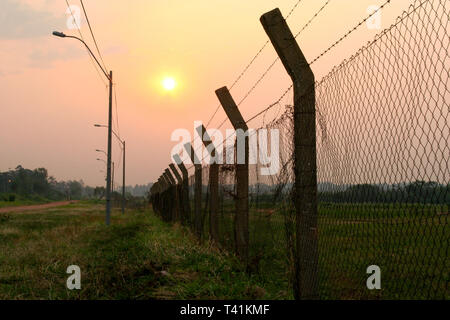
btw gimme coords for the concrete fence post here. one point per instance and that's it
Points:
(186, 219)
(169, 196)
(305, 168)
(242, 174)
(197, 190)
(213, 185)
(178, 195)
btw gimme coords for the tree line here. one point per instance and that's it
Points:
(37, 183)
(428, 192)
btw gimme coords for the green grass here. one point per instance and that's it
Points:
(22, 201)
(19, 203)
(409, 242)
(141, 257)
(137, 257)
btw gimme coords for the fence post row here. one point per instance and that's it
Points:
(213, 185)
(242, 174)
(197, 189)
(305, 169)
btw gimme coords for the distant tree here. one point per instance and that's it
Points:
(99, 192)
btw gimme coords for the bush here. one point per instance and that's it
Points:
(12, 197)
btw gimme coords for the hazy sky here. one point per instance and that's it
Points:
(51, 95)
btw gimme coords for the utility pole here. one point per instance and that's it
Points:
(123, 182)
(112, 180)
(108, 172)
(108, 166)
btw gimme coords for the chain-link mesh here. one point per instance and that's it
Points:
(382, 169)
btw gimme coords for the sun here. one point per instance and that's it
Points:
(169, 84)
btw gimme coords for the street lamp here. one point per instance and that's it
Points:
(108, 171)
(123, 164)
(98, 159)
(98, 150)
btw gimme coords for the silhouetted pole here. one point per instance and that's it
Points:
(305, 167)
(109, 77)
(123, 180)
(242, 179)
(198, 186)
(185, 192)
(178, 192)
(213, 185)
(108, 171)
(112, 180)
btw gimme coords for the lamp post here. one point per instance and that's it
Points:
(98, 150)
(98, 159)
(113, 166)
(112, 181)
(123, 163)
(108, 170)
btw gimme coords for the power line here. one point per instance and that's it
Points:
(82, 38)
(92, 34)
(117, 113)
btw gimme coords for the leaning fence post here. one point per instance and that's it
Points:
(173, 193)
(164, 183)
(178, 192)
(305, 168)
(213, 185)
(185, 189)
(168, 197)
(197, 189)
(241, 222)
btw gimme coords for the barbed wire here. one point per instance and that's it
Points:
(266, 71)
(325, 51)
(348, 33)
(315, 60)
(251, 63)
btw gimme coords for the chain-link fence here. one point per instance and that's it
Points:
(382, 129)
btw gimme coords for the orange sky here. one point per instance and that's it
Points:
(51, 94)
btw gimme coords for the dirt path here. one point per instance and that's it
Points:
(36, 207)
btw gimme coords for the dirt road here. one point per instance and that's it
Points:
(36, 207)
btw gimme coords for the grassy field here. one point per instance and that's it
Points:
(22, 202)
(137, 257)
(409, 242)
(141, 257)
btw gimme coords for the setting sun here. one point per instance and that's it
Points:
(169, 84)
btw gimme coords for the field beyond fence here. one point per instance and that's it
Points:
(364, 173)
